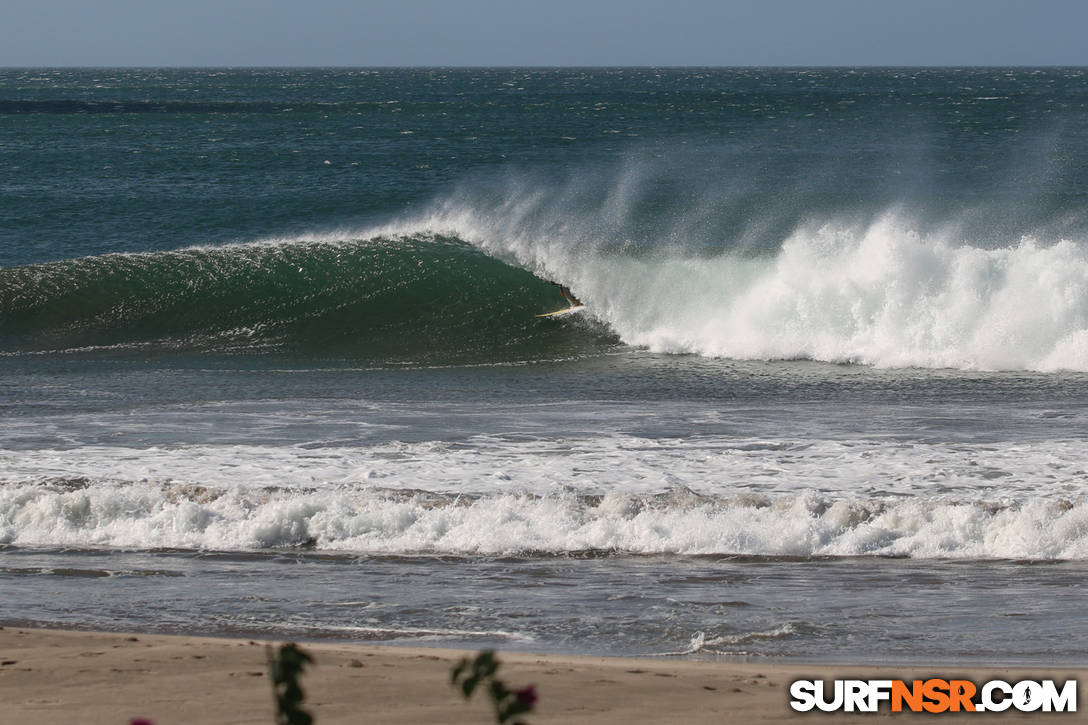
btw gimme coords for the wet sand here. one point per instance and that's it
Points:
(55, 676)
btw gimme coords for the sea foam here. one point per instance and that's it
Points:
(630, 495)
(376, 522)
(876, 292)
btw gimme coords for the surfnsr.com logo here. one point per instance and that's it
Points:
(933, 695)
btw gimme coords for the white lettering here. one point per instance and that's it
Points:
(856, 696)
(1064, 701)
(993, 696)
(830, 705)
(803, 693)
(988, 701)
(1027, 696)
(879, 690)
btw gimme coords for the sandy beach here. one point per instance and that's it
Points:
(97, 678)
(276, 360)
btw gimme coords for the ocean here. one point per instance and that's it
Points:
(271, 366)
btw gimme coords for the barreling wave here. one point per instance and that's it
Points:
(415, 298)
(872, 290)
(463, 283)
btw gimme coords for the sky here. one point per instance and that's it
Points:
(542, 32)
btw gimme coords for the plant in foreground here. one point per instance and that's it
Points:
(287, 664)
(285, 667)
(469, 674)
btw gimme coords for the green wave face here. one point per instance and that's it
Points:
(406, 300)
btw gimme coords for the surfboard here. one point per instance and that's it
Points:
(565, 311)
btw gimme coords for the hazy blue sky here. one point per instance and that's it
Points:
(543, 32)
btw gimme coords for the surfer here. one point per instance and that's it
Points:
(568, 295)
(573, 303)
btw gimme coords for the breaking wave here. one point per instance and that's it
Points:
(389, 522)
(487, 496)
(464, 282)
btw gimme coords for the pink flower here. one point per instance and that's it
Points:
(526, 695)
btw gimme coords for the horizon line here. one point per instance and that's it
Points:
(829, 66)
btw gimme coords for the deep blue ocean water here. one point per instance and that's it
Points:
(270, 360)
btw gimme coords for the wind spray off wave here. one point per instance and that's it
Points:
(876, 293)
(470, 281)
(879, 296)
(272, 332)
